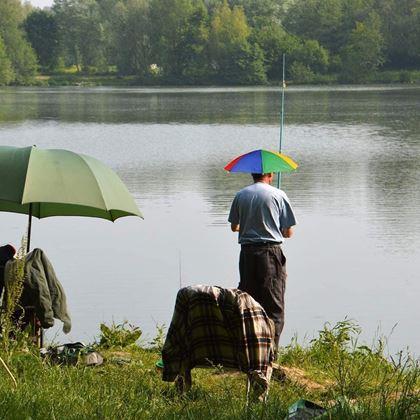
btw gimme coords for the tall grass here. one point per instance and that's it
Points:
(356, 381)
(365, 383)
(10, 302)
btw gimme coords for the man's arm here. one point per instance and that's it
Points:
(234, 215)
(287, 217)
(234, 227)
(286, 232)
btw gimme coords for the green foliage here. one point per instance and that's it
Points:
(364, 52)
(81, 33)
(321, 20)
(260, 13)
(118, 335)
(11, 334)
(275, 42)
(401, 31)
(382, 387)
(194, 48)
(301, 73)
(42, 32)
(16, 50)
(169, 20)
(213, 41)
(6, 70)
(131, 29)
(375, 387)
(333, 341)
(313, 55)
(233, 57)
(339, 25)
(159, 340)
(24, 63)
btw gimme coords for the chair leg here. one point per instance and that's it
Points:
(248, 388)
(183, 382)
(258, 385)
(269, 375)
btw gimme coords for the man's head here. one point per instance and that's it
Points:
(266, 178)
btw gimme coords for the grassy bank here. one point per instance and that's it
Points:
(72, 78)
(333, 370)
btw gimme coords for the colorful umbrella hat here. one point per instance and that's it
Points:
(261, 162)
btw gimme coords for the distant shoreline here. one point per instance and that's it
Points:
(403, 77)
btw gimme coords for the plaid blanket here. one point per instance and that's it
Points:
(212, 326)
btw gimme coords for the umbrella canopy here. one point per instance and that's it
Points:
(261, 162)
(46, 183)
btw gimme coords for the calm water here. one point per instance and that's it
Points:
(356, 250)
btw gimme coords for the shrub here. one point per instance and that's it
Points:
(301, 73)
(119, 335)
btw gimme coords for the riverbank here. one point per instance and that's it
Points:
(352, 380)
(112, 79)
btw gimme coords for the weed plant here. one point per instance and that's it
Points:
(355, 382)
(362, 381)
(119, 335)
(10, 302)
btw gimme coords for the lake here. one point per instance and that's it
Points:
(356, 249)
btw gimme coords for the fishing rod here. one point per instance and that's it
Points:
(282, 116)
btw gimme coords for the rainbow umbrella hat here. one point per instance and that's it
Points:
(261, 162)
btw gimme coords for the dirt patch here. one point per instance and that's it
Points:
(298, 376)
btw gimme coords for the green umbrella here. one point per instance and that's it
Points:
(54, 182)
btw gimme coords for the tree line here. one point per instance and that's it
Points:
(210, 41)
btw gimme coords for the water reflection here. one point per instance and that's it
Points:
(356, 249)
(215, 106)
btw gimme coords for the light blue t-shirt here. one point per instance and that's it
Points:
(261, 211)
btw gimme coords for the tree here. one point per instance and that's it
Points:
(16, 49)
(301, 73)
(364, 52)
(274, 42)
(312, 55)
(131, 27)
(233, 58)
(260, 13)
(307, 55)
(6, 71)
(42, 32)
(321, 20)
(193, 46)
(81, 33)
(401, 30)
(169, 20)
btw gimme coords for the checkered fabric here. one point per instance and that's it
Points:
(212, 326)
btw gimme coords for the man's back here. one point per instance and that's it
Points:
(262, 215)
(261, 211)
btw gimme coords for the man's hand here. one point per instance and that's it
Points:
(287, 232)
(235, 228)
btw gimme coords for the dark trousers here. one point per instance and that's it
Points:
(262, 270)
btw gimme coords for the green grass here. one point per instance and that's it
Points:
(359, 382)
(82, 80)
(70, 77)
(397, 76)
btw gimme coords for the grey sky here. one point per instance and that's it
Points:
(41, 3)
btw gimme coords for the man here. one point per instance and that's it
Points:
(263, 217)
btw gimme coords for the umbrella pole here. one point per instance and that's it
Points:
(282, 116)
(28, 240)
(40, 334)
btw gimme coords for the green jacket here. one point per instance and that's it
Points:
(42, 290)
